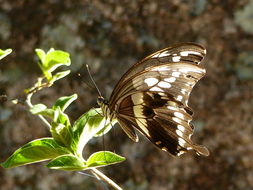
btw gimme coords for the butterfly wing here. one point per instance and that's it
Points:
(188, 52)
(184, 52)
(154, 98)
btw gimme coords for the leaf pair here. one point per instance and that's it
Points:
(50, 61)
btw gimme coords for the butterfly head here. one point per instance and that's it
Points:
(101, 101)
(104, 105)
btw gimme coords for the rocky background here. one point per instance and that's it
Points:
(110, 36)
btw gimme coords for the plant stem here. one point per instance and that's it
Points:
(30, 105)
(106, 179)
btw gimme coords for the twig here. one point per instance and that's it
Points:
(30, 105)
(106, 179)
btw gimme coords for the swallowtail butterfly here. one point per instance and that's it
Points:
(152, 97)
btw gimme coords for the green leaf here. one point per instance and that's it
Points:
(54, 59)
(41, 54)
(61, 134)
(106, 128)
(88, 125)
(4, 53)
(47, 112)
(61, 128)
(60, 117)
(67, 162)
(35, 151)
(38, 108)
(41, 109)
(103, 158)
(59, 76)
(64, 102)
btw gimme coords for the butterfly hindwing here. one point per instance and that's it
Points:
(128, 129)
(164, 121)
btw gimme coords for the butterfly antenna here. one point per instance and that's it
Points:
(87, 84)
(87, 66)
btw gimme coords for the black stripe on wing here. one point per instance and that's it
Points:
(162, 119)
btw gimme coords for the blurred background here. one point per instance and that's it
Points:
(110, 36)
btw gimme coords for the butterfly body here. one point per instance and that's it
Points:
(152, 97)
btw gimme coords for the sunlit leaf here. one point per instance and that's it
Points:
(67, 162)
(64, 102)
(56, 58)
(35, 151)
(4, 53)
(59, 75)
(86, 127)
(38, 108)
(103, 158)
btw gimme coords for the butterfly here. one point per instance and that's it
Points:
(152, 97)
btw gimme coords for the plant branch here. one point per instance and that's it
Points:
(30, 105)
(104, 178)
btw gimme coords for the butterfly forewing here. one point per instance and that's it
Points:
(175, 79)
(152, 97)
(189, 52)
(184, 52)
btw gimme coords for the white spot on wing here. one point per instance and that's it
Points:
(186, 53)
(156, 89)
(179, 115)
(180, 153)
(161, 68)
(171, 108)
(176, 119)
(185, 70)
(163, 54)
(164, 84)
(179, 98)
(179, 133)
(171, 79)
(181, 128)
(184, 91)
(181, 142)
(176, 59)
(151, 81)
(175, 74)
